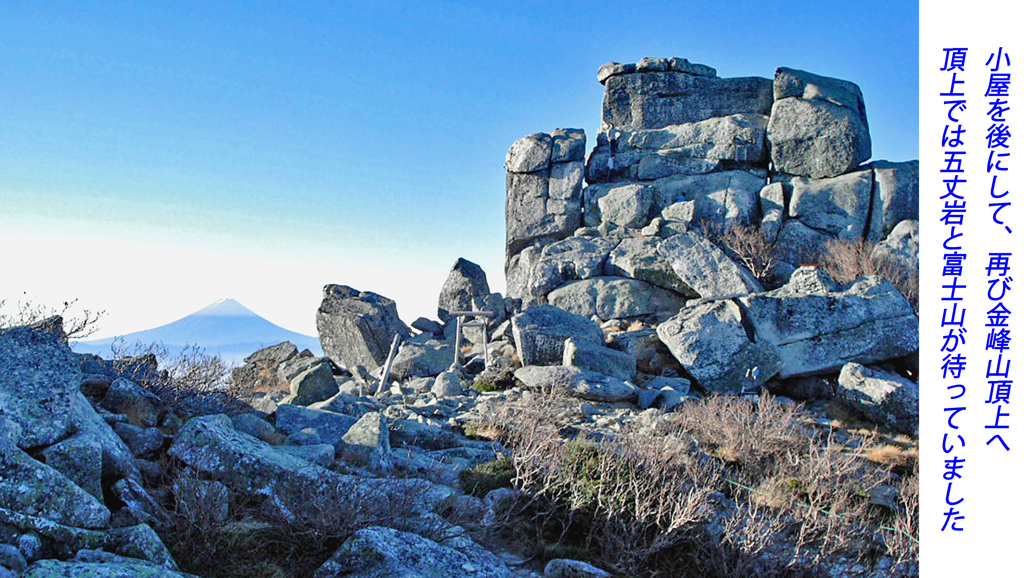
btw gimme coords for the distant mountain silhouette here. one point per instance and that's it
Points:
(225, 327)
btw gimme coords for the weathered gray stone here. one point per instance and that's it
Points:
(465, 281)
(620, 204)
(11, 559)
(142, 543)
(370, 439)
(836, 206)
(703, 267)
(413, 433)
(315, 384)
(66, 539)
(599, 360)
(140, 405)
(140, 506)
(894, 197)
(427, 326)
(568, 145)
(540, 333)
(330, 426)
(884, 398)
(614, 298)
(684, 65)
(118, 460)
(902, 247)
(564, 568)
(305, 437)
(739, 138)
(319, 454)
(529, 154)
(378, 552)
(260, 368)
(773, 210)
(346, 403)
(798, 245)
(577, 382)
(625, 206)
(818, 126)
(447, 384)
(613, 69)
(38, 378)
(519, 270)
(652, 356)
(356, 328)
(638, 258)
(140, 441)
(35, 489)
(532, 213)
(820, 331)
(566, 260)
(75, 569)
(253, 425)
(657, 99)
(711, 342)
(422, 359)
(793, 83)
(80, 459)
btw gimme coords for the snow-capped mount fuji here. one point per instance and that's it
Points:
(225, 327)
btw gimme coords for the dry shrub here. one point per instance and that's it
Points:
(290, 536)
(847, 261)
(78, 323)
(749, 245)
(192, 381)
(740, 433)
(901, 538)
(723, 487)
(634, 498)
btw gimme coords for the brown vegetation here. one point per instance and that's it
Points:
(722, 487)
(847, 261)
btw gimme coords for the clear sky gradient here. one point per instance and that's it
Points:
(157, 157)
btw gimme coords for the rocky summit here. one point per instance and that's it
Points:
(725, 278)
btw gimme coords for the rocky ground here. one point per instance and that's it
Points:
(705, 365)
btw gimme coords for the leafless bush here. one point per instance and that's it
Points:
(747, 436)
(289, 535)
(901, 538)
(636, 496)
(786, 498)
(78, 323)
(191, 381)
(847, 261)
(749, 245)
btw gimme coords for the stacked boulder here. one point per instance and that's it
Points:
(682, 158)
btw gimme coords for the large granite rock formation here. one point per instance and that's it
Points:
(357, 327)
(544, 185)
(818, 126)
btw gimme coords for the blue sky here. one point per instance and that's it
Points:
(157, 157)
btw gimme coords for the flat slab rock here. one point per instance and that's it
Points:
(817, 328)
(579, 383)
(378, 552)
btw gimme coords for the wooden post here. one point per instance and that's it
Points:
(386, 374)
